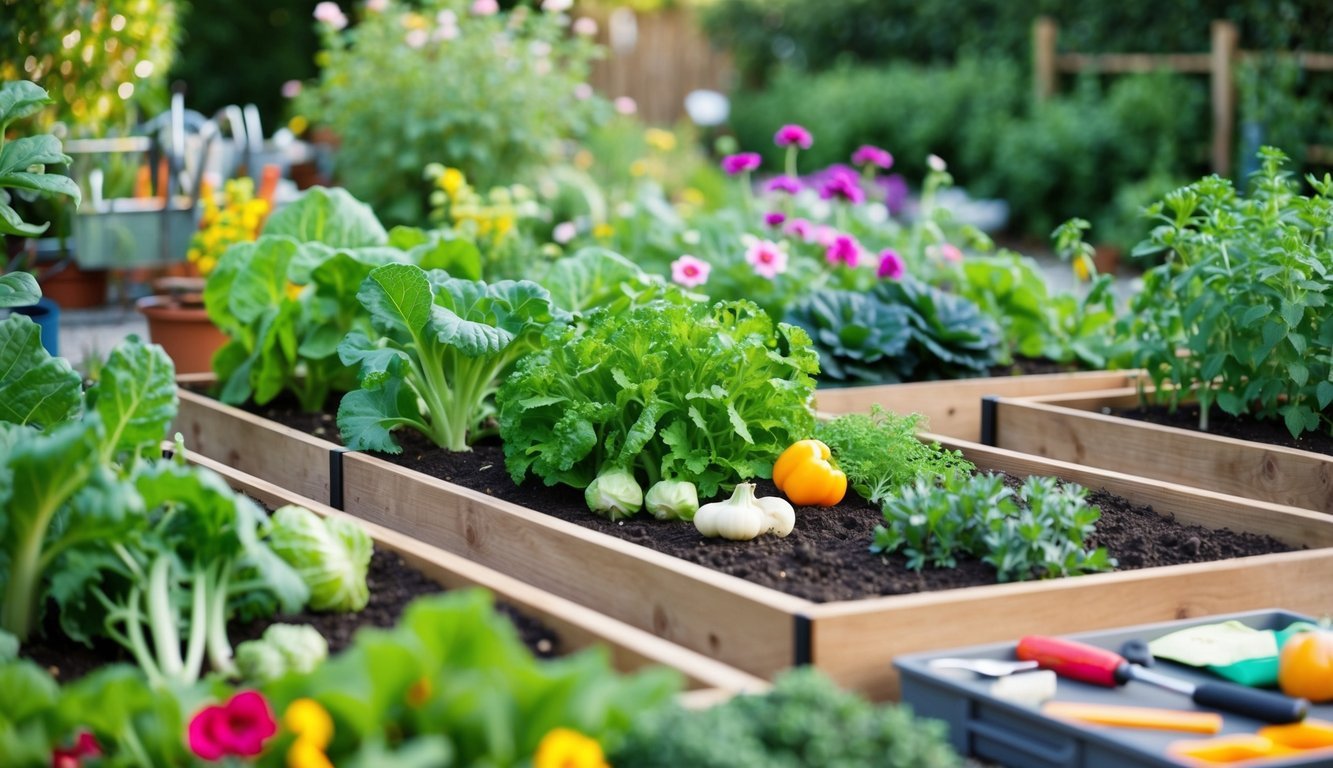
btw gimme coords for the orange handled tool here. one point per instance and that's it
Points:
(1098, 666)
(1135, 717)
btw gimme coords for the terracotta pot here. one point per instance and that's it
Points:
(184, 331)
(72, 287)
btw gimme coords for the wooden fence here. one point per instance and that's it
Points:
(1218, 63)
(656, 59)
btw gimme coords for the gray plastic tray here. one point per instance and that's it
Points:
(1021, 737)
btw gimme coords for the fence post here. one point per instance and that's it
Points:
(1044, 33)
(1224, 94)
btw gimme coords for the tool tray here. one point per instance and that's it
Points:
(1020, 736)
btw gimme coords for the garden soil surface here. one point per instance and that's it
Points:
(1272, 432)
(827, 556)
(393, 584)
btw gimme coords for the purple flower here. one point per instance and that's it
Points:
(870, 155)
(891, 264)
(788, 184)
(741, 163)
(801, 228)
(844, 187)
(894, 188)
(774, 218)
(791, 134)
(843, 250)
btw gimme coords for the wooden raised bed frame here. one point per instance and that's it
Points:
(1071, 427)
(763, 631)
(577, 626)
(953, 408)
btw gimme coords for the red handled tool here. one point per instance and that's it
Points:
(1098, 666)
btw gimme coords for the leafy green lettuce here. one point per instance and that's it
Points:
(708, 394)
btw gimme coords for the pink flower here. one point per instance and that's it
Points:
(416, 38)
(767, 258)
(741, 163)
(945, 252)
(825, 235)
(564, 232)
(844, 249)
(291, 89)
(446, 18)
(870, 155)
(329, 13)
(689, 271)
(583, 91)
(801, 228)
(890, 264)
(844, 187)
(788, 184)
(377, 6)
(625, 105)
(936, 163)
(791, 134)
(774, 218)
(485, 7)
(85, 745)
(238, 728)
(585, 26)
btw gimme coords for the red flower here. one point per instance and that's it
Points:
(238, 727)
(84, 746)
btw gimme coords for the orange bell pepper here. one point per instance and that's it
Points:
(805, 472)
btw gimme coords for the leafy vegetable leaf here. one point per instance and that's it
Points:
(35, 388)
(329, 216)
(135, 396)
(18, 289)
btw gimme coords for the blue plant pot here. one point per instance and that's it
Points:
(46, 314)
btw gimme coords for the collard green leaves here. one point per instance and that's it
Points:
(329, 216)
(135, 395)
(35, 388)
(683, 391)
(22, 160)
(18, 289)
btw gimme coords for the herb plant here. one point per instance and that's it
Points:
(439, 340)
(880, 453)
(1239, 311)
(682, 391)
(1039, 533)
(805, 720)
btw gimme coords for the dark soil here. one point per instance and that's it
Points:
(1023, 366)
(827, 556)
(393, 584)
(1272, 432)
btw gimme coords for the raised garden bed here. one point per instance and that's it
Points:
(1082, 428)
(953, 408)
(763, 630)
(576, 626)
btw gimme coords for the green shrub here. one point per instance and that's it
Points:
(805, 721)
(489, 95)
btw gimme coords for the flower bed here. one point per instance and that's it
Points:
(762, 630)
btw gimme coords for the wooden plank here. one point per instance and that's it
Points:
(1239, 467)
(855, 642)
(954, 407)
(740, 623)
(1045, 32)
(254, 445)
(1198, 506)
(1124, 63)
(577, 626)
(1223, 87)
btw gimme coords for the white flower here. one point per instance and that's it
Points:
(445, 32)
(446, 18)
(936, 163)
(564, 232)
(485, 7)
(585, 26)
(539, 48)
(690, 237)
(557, 6)
(415, 38)
(377, 6)
(329, 13)
(583, 91)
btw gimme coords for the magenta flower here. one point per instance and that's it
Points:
(801, 228)
(689, 271)
(741, 163)
(774, 218)
(891, 265)
(843, 250)
(843, 187)
(238, 728)
(788, 184)
(767, 258)
(869, 155)
(793, 134)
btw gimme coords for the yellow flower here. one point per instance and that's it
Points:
(310, 722)
(692, 196)
(660, 140)
(638, 168)
(603, 231)
(452, 181)
(1082, 269)
(583, 159)
(419, 692)
(298, 124)
(503, 225)
(306, 754)
(293, 291)
(566, 748)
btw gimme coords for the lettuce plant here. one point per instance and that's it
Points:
(331, 554)
(707, 394)
(440, 343)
